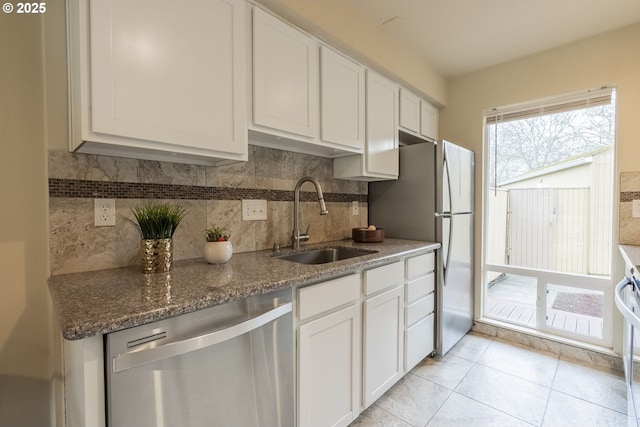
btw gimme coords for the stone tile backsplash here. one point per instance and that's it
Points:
(77, 245)
(628, 226)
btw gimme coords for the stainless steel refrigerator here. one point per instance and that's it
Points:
(432, 200)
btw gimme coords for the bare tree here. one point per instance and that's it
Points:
(538, 142)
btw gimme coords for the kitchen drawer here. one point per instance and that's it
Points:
(325, 296)
(420, 287)
(420, 265)
(419, 342)
(384, 277)
(420, 309)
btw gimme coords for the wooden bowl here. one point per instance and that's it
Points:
(364, 235)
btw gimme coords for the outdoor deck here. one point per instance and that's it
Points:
(513, 299)
(524, 315)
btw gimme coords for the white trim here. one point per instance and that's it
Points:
(547, 336)
(584, 281)
(544, 277)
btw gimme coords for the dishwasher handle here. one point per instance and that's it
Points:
(628, 314)
(132, 359)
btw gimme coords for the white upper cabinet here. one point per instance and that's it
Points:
(342, 100)
(382, 126)
(418, 116)
(292, 84)
(152, 80)
(285, 76)
(380, 159)
(409, 111)
(428, 120)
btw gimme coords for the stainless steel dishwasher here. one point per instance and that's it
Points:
(230, 365)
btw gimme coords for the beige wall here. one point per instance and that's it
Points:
(609, 59)
(25, 367)
(349, 29)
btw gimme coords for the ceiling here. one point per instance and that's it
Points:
(461, 36)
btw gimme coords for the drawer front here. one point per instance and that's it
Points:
(383, 277)
(420, 287)
(325, 296)
(419, 342)
(420, 265)
(420, 309)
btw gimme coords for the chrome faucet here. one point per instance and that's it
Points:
(296, 237)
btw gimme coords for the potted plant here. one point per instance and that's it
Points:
(156, 223)
(218, 248)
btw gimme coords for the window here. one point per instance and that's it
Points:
(549, 215)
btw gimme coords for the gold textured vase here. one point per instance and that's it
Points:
(156, 255)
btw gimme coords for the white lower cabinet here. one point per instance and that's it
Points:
(329, 355)
(357, 335)
(383, 343)
(419, 341)
(420, 307)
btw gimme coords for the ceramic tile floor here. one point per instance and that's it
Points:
(484, 381)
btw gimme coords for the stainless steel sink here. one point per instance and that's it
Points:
(325, 255)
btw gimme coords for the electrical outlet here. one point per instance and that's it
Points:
(254, 210)
(104, 212)
(354, 207)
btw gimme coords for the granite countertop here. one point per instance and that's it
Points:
(103, 301)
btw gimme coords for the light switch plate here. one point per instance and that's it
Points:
(635, 208)
(254, 210)
(354, 208)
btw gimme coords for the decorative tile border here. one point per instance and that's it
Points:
(629, 196)
(75, 188)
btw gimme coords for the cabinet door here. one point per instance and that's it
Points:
(409, 111)
(341, 100)
(168, 74)
(285, 76)
(381, 149)
(329, 369)
(420, 342)
(383, 343)
(428, 120)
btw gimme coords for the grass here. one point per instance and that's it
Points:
(156, 220)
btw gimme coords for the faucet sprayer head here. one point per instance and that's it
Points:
(323, 207)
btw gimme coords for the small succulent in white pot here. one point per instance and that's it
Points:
(218, 249)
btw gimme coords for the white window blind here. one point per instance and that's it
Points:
(591, 98)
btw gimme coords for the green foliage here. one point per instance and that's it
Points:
(157, 220)
(216, 234)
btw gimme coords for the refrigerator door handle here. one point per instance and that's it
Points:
(446, 172)
(450, 215)
(445, 267)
